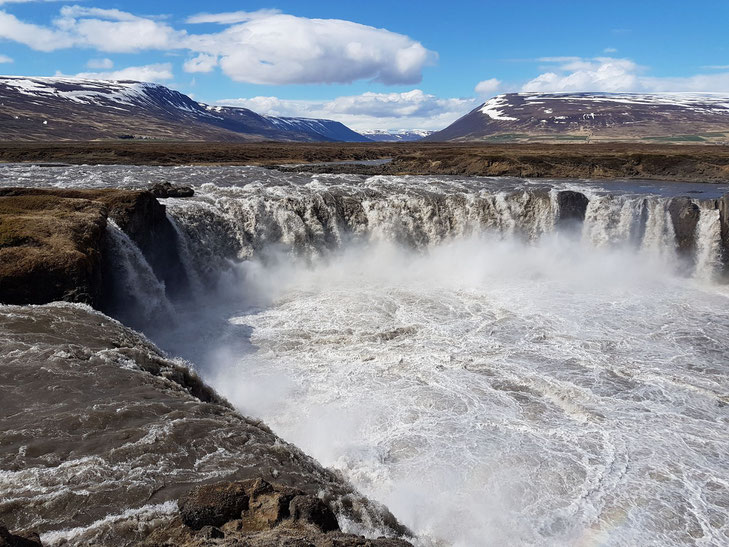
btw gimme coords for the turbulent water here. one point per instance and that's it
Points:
(492, 373)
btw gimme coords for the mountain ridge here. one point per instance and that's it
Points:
(588, 117)
(47, 108)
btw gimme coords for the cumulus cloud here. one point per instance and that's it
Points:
(408, 110)
(5, 59)
(609, 74)
(148, 73)
(487, 87)
(577, 74)
(100, 63)
(283, 49)
(262, 47)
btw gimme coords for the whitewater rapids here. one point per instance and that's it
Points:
(492, 379)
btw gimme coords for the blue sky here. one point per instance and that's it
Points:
(374, 64)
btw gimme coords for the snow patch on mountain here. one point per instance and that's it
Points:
(493, 108)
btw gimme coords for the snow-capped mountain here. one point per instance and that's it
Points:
(405, 135)
(75, 109)
(581, 117)
(318, 129)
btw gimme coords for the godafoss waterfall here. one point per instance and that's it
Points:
(494, 361)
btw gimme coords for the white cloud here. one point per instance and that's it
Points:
(262, 47)
(100, 63)
(718, 83)
(283, 49)
(231, 17)
(576, 74)
(610, 50)
(201, 63)
(716, 67)
(609, 74)
(147, 73)
(5, 59)
(34, 36)
(115, 30)
(27, 1)
(412, 109)
(487, 87)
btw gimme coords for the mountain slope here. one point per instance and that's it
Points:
(328, 129)
(33, 109)
(379, 135)
(671, 117)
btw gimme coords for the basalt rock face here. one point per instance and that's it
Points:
(7, 539)
(685, 216)
(572, 207)
(144, 220)
(169, 190)
(723, 206)
(50, 248)
(53, 243)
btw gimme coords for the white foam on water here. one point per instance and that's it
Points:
(139, 518)
(493, 391)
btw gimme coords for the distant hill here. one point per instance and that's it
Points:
(39, 109)
(587, 117)
(379, 135)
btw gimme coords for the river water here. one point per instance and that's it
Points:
(491, 374)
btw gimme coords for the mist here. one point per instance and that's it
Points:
(475, 386)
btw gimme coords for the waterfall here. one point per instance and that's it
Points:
(659, 239)
(186, 256)
(708, 245)
(136, 295)
(313, 220)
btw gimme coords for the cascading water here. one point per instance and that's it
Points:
(499, 362)
(316, 219)
(708, 245)
(139, 297)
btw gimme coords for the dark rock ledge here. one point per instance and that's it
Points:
(254, 512)
(52, 241)
(8, 539)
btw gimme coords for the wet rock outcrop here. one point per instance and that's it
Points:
(8, 539)
(572, 207)
(684, 216)
(257, 512)
(144, 220)
(258, 505)
(169, 190)
(723, 206)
